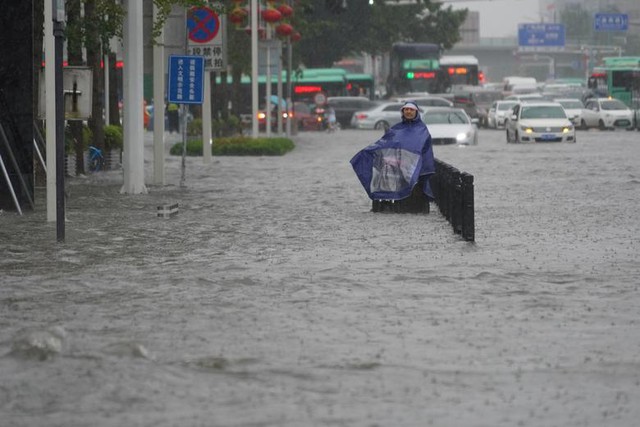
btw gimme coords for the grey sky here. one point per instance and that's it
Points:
(500, 18)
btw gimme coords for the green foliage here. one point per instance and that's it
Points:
(238, 146)
(69, 141)
(113, 137)
(194, 127)
(361, 27)
(219, 127)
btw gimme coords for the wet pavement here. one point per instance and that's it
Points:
(275, 297)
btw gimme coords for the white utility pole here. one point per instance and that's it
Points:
(50, 112)
(206, 119)
(159, 177)
(133, 156)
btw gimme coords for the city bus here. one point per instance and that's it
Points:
(618, 77)
(311, 81)
(305, 85)
(360, 84)
(461, 70)
(414, 67)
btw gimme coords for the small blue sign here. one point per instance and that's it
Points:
(611, 22)
(541, 35)
(186, 79)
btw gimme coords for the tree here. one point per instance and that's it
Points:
(362, 27)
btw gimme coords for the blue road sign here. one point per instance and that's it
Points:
(541, 35)
(186, 79)
(611, 22)
(203, 24)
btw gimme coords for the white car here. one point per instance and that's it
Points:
(498, 112)
(606, 113)
(573, 107)
(450, 126)
(525, 97)
(382, 116)
(539, 122)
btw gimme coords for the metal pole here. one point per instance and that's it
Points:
(206, 119)
(254, 68)
(183, 109)
(290, 109)
(58, 34)
(159, 174)
(50, 131)
(13, 193)
(268, 83)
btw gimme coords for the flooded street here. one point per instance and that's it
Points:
(275, 297)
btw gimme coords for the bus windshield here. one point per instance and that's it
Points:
(414, 67)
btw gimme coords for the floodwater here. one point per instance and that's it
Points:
(275, 297)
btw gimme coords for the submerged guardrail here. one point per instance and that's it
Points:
(454, 194)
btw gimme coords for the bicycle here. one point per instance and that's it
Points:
(96, 159)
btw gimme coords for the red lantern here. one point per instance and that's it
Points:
(295, 36)
(238, 15)
(284, 29)
(271, 15)
(285, 10)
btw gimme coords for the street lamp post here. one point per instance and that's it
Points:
(58, 34)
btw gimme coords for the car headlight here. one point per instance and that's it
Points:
(464, 136)
(526, 129)
(567, 129)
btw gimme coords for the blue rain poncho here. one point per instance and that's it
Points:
(390, 167)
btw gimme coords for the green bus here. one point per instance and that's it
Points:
(619, 77)
(361, 84)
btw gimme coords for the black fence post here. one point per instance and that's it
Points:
(468, 219)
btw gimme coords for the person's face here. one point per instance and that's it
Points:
(409, 113)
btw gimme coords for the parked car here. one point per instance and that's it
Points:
(498, 113)
(381, 116)
(345, 106)
(606, 113)
(573, 107)
(539, 122)
(448, 125)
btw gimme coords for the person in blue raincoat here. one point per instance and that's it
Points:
(390, 168)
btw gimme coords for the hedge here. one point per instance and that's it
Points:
(238, 146)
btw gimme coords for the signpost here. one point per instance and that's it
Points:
(541, 37)
(205, 34)
(186, 78)
(611, 22)
(186, 74)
